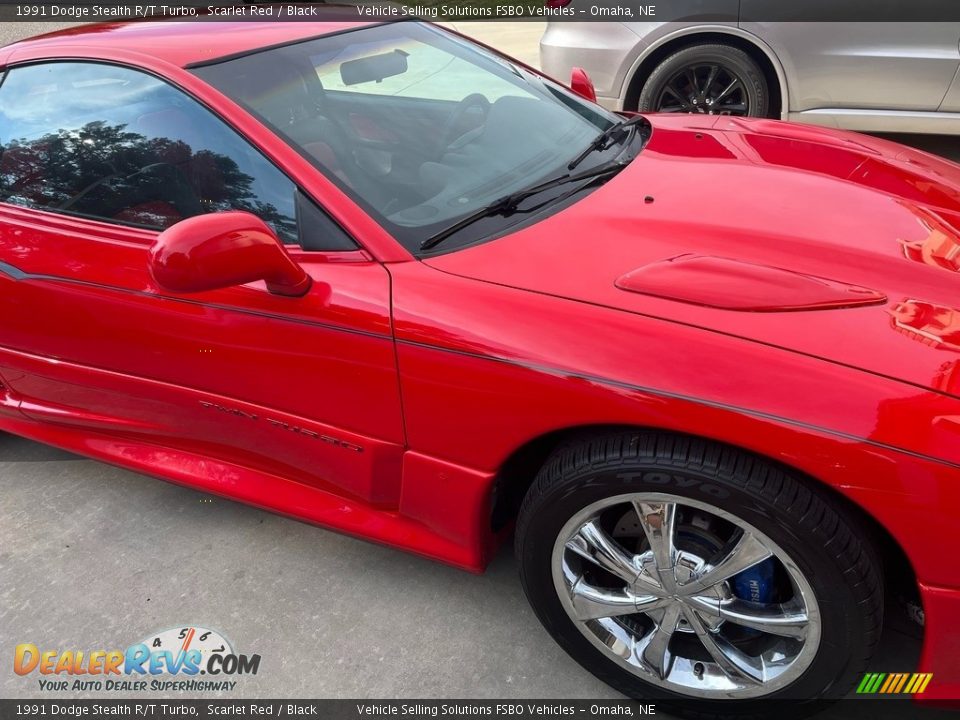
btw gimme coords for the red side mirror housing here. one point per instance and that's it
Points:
(219, 250)
(582, 85)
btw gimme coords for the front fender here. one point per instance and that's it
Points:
(485, 368)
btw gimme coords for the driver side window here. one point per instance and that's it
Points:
(110, 143)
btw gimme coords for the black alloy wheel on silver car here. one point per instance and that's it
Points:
(707, 79)
(677, 569)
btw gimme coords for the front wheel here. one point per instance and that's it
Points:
(676, 569)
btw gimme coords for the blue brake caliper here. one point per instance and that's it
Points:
(755, 584)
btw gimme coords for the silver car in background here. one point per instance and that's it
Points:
(866, 76)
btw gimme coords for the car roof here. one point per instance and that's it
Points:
(186, 43)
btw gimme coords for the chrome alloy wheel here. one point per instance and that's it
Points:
(656, 582)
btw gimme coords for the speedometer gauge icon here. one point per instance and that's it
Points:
(190, 637)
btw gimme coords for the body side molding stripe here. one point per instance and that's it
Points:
(687, 398)
(14, 272)
(19, 275)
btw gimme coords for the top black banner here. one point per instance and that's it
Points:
(700, 11)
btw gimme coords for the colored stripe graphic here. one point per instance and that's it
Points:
(894, 683)
(903, 681)
(913, 681)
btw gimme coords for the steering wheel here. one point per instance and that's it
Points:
(448, 136)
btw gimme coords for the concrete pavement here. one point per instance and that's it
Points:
(520, 40)
(94, 557)
(13, 31)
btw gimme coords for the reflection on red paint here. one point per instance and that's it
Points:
(948, 378)
(930, 324)
(941, 247)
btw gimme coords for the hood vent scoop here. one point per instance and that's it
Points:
(735, 285)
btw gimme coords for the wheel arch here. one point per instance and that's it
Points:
(517, 473)
(757, 49)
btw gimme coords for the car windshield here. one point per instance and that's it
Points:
(420, 127)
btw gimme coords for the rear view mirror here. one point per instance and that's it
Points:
(373, 68)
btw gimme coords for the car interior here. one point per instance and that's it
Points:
(414, 160)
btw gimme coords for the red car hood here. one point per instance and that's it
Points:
(827, 243)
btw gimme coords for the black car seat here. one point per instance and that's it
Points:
(279, 93)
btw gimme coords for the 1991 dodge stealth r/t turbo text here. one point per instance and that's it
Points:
(383, 279)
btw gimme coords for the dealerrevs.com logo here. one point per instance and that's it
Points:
(171, 660)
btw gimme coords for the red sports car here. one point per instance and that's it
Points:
(380, 278)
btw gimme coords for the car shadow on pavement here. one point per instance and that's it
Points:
(14, 449)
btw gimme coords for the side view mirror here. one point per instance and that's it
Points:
(582, 85)
(219, 250)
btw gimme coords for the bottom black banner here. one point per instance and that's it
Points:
(872, 709)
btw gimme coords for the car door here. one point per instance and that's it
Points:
(96, 160)
(904, 66)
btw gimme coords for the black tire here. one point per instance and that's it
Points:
(822, 540)
(733, 61)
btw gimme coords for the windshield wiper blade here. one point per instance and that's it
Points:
(507, 205)
(601, 141)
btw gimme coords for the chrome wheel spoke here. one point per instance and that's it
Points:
(774, 620)
(653, 649)
(651, 603)
(731, 660)
(657, 521)
(593, 543)
(593, 603)
(647, 581)
(747, 552)
(650, 579)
